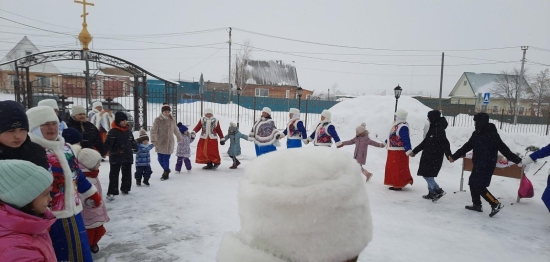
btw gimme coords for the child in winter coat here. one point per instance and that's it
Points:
(24, 212)
(234, 137)
(143, 159)
(362, 141)
(184, 150)
(89, 161)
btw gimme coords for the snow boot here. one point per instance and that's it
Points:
(208, 166)
(395, 189)
(438, 194)
(474, 208)
(94, 249)
(146, 181)
(110, 197)
(138, 182)
(430, 195)
(234, 166)
(496, 209)
(125, 193)
(237, 163)
(215, 166)
(164, 176)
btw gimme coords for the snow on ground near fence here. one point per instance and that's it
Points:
(184, 218)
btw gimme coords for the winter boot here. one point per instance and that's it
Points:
(395, 189)
(237, 163)
(164, 176)
(215, 166)
(125, 193)
(496, 209)
(94, 249)
(138, 182)
(430, 195)
(234, 166)
(438, 194)
(474, 208)
(146, 181)
(208, 166)
(110, 197)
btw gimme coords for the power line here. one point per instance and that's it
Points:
(202, 61)
(61, 33)
(357, 73)
(540, 49)
(37, 20)
(157, 48)
(537, 63)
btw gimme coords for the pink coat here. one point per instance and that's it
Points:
(361, 142)
(24, 237)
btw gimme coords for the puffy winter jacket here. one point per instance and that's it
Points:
(90, 135)
(362, 142)
(234, 142)
(121, 145)
(162, 134)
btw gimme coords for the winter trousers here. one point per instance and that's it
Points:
(432, 185)
(126, 181)
(143, 171)
(95, 234)
(164, 160)
(180, 162)
(69, 239)
(260, 150)
(478, 192)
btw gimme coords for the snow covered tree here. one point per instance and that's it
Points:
(539, 90)
(240, 72)
(509, 87)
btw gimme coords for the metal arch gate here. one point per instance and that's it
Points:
(24, 90)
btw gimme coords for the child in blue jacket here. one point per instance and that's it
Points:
(143, 159)
(234, 137)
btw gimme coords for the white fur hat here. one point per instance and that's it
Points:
(39, 115)
(49, 102)
(401, 114)
(294, 111)
(96, 104)
(208, 111)
(88, 158)
(76, 110)
(267, 110)
(326, 114)
(317, 211)
(362, 128)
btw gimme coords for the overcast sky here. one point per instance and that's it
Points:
(432, 26)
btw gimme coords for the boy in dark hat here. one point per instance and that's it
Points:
(143, 159)
(14, 141)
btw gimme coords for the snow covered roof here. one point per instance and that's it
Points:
(484, 82)
(23, 48)
(272, 72)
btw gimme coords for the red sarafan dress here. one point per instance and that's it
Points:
(207, 148)
(397, 173)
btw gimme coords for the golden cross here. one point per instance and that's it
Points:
(84, 4)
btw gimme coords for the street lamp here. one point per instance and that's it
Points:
(239, 91)
(397, 91)
(300, 91)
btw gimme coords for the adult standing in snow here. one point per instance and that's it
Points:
(435, 145)
(68, 233)
(362, 141)
(321, 215)
(207, 148)
(325, 132)
(53, 104)
(398, 174)
(90, 135)
(101, 118)
(264, 133)
(162, 137)
(485, 143)
(295, 130)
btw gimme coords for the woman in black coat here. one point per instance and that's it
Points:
(435, 145)
(486, 143)
(90, 134)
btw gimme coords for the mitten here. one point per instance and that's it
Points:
(222, 142)
(96, 198)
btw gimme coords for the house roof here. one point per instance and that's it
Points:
(272, 72)
(20, 50)
(484, 82)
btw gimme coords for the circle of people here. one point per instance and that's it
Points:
(51, 204)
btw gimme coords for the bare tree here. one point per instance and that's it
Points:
(509, 87)
(539, 90)
(3, 80)
(240, 72)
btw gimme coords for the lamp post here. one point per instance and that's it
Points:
(397, 91)
(239, 91)
(300, 91)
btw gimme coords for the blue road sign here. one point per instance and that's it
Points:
(486, 98)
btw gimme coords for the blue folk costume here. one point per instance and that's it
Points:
(264, 134)
(541, 153)
(295, 130)
(325, 132)
(397, 172)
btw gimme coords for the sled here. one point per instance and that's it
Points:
(512, 171)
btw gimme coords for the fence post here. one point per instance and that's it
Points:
(307, 103)
(254, 118)
(501, 117)
(547, 123)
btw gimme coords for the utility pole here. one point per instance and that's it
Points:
(520, 78)
(229, 66)
(441, 79)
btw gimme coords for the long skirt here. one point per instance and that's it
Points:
(260, 150)
(70, 240)
(293, 143)
(397, 173)
(207, 151)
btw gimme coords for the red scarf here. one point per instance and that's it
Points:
(92, 174)
(123, 129)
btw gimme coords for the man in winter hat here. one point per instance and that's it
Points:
(321, 215)
(207, 149)
(53, 104)
(295, 130)
(91, 137)
(325, 132)
(264, 133)
(14, 140)
(398, 174)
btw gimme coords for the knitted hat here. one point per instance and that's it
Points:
(434, 115)
(22, 181)
(166, 108)
(88, 157)
(232, 127)
(39, 115)
(208, 111)
(13, 116)
(77, 110)
(72, 136)
(401, 115)
(316, 211)
(294, 111)
(142, 136)
(326, 114)
(96, 104)
(49, 102)
(481, 120)
(267, 110)
(362, 128)
(120, 116)
(182, 128)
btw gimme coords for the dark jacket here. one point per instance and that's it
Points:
(90, 135)
(435, 145)
(28, 151)
(486, 143)
(121, 145)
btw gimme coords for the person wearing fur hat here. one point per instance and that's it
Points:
(322, 215)
(183, 151)
(53, 104)
(207, 148)
(121, 145)
(143, 159)
(14, 140)
(362, 141)
(264, 134)
(485, 143)
(234, 137)
(295, 130)
(24, 212)
(69, 183)
(397, 173)
(89, 161)
(324, 132)
(90, 135)
(162, 136)
(101, 118)
(435, 145)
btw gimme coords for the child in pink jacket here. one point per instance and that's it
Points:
(24, 213)
(362, 141)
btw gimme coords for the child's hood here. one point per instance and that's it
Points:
(14, 220)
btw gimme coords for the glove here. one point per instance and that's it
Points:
(340, 146)
(222, 142)
(96, 198)
(527, 160)
(383, 145)
(193, 135)
(408, 153)
(278, 136)
(305, 141)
